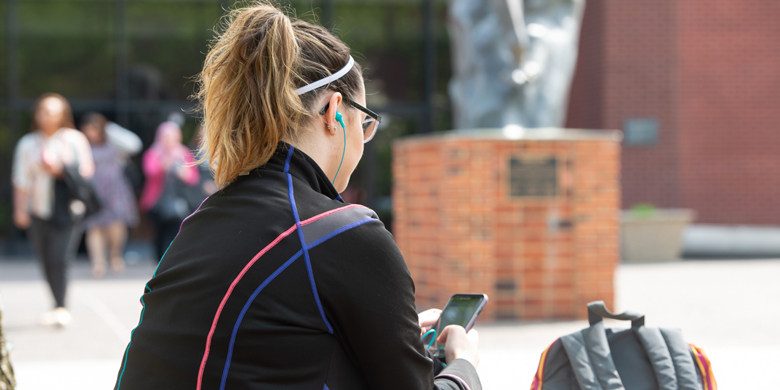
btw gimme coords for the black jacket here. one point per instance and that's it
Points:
(238, 302)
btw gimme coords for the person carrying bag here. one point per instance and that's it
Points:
(170, 172)
(52, 166)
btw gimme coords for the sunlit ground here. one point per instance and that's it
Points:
(729, 308)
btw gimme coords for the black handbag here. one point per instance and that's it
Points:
(82, 190)
(74, 197)
(177, 201)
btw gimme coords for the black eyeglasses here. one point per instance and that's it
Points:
(370, 124)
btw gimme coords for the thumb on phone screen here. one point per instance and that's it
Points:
(459, 344)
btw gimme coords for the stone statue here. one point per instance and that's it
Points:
(513, 61)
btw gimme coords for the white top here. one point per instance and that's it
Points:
(69, 146)
(127, 142)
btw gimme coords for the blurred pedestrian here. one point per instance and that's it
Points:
(170, 172)
(107, 230)
(41, 195)
(207, 184)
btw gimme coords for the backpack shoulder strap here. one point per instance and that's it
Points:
(684, 366)
(659, 356)
(670, 357)
(591, 359)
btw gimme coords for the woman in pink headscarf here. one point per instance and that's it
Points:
(169, 170)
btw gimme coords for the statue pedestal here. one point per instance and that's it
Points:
(528, 216)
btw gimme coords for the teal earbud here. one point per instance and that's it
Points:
(343, 127)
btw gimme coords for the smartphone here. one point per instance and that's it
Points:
(461, 309)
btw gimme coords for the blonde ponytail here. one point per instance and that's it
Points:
(247, 87)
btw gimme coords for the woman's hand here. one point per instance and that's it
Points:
(427, 319)
(21, 219)
(459, 344)
(51, 163)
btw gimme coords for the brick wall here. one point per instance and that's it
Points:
(729, 76)
(707, 71)
(461, 231)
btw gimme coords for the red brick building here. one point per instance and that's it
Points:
(697, 84)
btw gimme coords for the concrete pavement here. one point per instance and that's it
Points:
(729, 308)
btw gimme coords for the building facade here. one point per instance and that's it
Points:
(693, 85)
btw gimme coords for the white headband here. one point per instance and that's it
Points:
(327, 80)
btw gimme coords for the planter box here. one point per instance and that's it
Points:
(655, 236)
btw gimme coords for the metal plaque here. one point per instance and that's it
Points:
(641, 131)
(533, 177)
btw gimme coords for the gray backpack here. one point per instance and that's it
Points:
(638, 358)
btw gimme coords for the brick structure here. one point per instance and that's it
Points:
(462, 225)
(706, 71)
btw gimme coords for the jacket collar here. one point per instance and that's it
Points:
(302, 167)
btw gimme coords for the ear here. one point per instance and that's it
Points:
(330, 115)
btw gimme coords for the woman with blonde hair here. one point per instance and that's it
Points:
(274, 282)
(41, 202)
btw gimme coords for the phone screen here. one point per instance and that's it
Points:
(460, 310)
